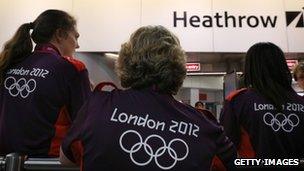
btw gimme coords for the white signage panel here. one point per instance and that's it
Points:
(176, 16)
(201, 25)
(240, 24)
(14, 13)
(294, 12)
(105, 24)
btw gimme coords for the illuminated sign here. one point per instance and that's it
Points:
(193, 67)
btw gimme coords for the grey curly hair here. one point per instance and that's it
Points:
(152, 56)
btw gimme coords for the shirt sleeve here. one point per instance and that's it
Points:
(79, 91)
(226, 151)
(72, 145)
(229, 120)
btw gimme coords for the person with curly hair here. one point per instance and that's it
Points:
(200, 105)
(298, 75)
(143, 127)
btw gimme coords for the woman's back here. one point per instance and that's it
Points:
(143, 127)
(39, 98)
(40, 91)
(145, 130)
(259, 130)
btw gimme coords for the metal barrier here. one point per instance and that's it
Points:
(2, 163)
(16, 162)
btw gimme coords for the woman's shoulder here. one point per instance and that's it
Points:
(238, 93)
(77, 64)
(68, 65)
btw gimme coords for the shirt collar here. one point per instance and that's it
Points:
(47, 48)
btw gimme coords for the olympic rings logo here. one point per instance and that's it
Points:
(281, 121)
(153, 153)
(22, 87)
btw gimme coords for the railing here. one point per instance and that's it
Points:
(16, 162)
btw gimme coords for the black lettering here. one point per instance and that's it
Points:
(254, 23)
(208, 22)
(240, 20)
(194, 21)
(175, 18)
(217, 18)
(229, 20)
(227, 17)
(268, 21)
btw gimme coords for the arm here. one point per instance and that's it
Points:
(229, 120)
(79, 91)
(71, 151)
(226, 150)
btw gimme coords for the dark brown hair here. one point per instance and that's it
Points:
(266, 71)
(44, 27)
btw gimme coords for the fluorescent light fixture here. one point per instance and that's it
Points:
(111, 55)
(210, 73)
(206, 73)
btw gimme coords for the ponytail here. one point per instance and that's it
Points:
(44, 27)
(16, 49)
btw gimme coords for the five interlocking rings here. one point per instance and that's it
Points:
(154, 154)
(281, 121)
(22, 87)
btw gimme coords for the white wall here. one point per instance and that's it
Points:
(183, 95)
(240, 39)
(160, 12)
(204, 82)
(99, 68)
(194, 96)
(105, 24)
(14, 13)
(212, 95)
(188, 95)
(191, 95)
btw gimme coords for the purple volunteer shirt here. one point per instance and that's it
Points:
(259, 130)
(143, 130)
(39, 98)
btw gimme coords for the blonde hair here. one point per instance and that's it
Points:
(298, 70)
(152, 57)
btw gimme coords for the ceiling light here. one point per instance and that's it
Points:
(111, 55)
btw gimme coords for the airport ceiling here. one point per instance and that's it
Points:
(210, 58)
(213, 58)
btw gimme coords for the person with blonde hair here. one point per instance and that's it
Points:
(144, 127)
(298, 74)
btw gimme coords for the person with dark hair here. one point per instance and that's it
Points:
(200, 105)
(264, 119)
(298, 75)
(144, 127)
(41, 90)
